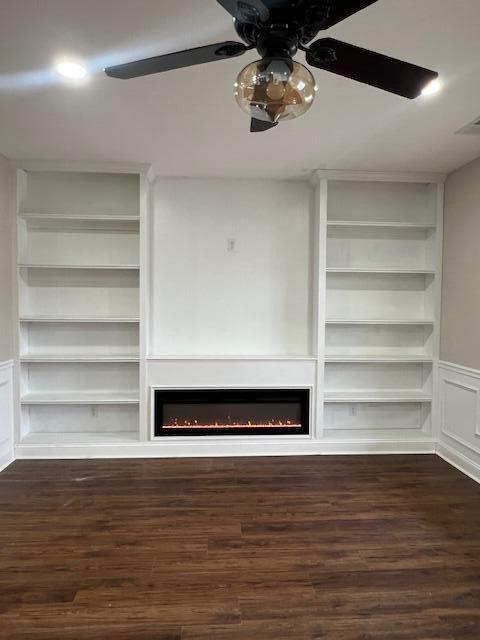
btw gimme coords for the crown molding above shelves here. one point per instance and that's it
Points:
(377, 176)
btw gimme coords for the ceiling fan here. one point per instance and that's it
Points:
(276, 87)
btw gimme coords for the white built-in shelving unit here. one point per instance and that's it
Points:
(78, 259)
(382, 293)
(124, 287)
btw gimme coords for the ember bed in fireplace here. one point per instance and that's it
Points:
(197, 412)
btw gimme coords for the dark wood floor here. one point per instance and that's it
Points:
(343, 548)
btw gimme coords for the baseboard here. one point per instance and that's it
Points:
(217, 449)
(6, 460)
(459, 461)
(6, 413)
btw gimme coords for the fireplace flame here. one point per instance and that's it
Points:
(229, 423)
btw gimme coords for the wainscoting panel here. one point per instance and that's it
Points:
(458, 431)
(6, 413)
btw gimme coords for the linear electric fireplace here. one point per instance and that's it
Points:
(196, 412)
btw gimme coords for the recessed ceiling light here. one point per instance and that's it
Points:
(71, 70)
(432, 87)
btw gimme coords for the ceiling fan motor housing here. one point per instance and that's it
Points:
(277, 44)
(286, 29)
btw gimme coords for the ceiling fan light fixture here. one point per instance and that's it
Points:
(275, 89)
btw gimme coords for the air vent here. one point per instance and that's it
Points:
(472, 128)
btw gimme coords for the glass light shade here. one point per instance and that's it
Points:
(275, 89)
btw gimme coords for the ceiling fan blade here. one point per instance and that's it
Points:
(247, 10)
(368, 67)
(334, 11)
(188, 58)
(257, 126)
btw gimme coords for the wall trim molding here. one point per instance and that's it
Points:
(6, 461)
(443, 427)
(377, 176)
(6, 364)
(459, 368)
(459, 461)
(222, 449)
(459, 449)
(6, 414)
(81, 166)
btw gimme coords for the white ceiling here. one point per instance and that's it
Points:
(187, 123)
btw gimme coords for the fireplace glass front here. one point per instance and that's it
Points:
(196, 412)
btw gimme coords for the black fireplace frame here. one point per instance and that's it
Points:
(212, 396)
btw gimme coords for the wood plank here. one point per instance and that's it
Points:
(338, 548)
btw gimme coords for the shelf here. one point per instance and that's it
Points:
(53, 358)
(65, 438)
(391, 434)
(378, 358)
(60, 293)
(367, 270)
(379, 224)
(378, 321)
(84, 217)
(414, 429)
(80, 398)
(84, 222)
(374, 396)
(107, 267)
(297, 358)
(112, 320)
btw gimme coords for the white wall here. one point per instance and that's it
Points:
(459, 369)
(251, 299)
(460, 341)
(6, 317)
(6, 321)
